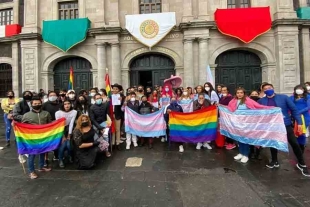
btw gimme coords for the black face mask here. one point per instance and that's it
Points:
(144, 102)
(37, 107)
(62, 95)
(10, 96)
(140, 91)
(85, 124)
(148, 93)
(82, 101)
(27, 98)
(255, 98)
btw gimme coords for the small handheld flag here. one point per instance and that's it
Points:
(108, 90)
(70, 86)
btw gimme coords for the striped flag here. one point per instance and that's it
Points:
(149, 125)
(108, 89)
(210, 78)
(10, 30)
(187, 105)
(70, 85)
(264, 128)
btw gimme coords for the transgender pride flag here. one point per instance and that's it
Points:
(149, 125)
(264, 128)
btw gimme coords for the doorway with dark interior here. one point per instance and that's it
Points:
(145, 78)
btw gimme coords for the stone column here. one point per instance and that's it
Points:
(203, 10)
(303, 3)
(102, 64)
(213, 68)
(15, 78)
(165, 6)
(125, 77)
(269, 74)
(188, 62)
(305, 40)
(187, 11)
(31, 21)
(284, 9)
(116, 69)
(114, 14)
(203, 60)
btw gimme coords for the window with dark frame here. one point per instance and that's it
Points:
(6, 16)
(238, 4)
(150, 6)
(68, 10)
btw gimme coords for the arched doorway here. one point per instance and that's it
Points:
(150, 70)
(237, 68)
(83, 78)
(5, 79)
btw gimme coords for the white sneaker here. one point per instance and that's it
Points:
(135, 144)
(21, 159)
(244, 159)
(206, 145)
(128, 147)
(181, 148)
(238, 157)
(123, 138)
(199, 145)
(121, 141)
(163, 139)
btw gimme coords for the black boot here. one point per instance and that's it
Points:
(257, 153)
(8, 144)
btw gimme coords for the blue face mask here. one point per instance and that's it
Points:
(173, 102)
(269, 92)
(99, 101)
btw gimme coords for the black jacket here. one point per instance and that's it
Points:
(98, 114)
(19, 110)
(134, 105)
(118, 113)
(52, 108)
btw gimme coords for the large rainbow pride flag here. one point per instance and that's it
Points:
(264, 127)
(38, 139)
(198, 126)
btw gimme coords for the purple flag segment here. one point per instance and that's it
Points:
(264, 128)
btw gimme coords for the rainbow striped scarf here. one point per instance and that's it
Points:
(38, 139)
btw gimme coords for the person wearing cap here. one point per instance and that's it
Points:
(286, 105)
(71, 97)
(118, 114)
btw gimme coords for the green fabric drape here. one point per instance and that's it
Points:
(65, 34)
(303, 13)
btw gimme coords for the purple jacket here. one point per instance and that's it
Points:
(224, 100)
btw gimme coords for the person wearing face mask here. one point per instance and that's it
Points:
(140, 92)
(92, 93)
(224, 100)
(36, 117)
(199, 90)
(51, 106)
(173, 106)
(307, 84)
(178, 93)
(286, 105)
(98, 114)
(209, 90)
(133, 104)
(185, 95)
(62, 96)
(148, 92)
(7, 105)
(81, 106)
(85, 147)
(201, 103)
(71, 97)
(66, 111)
(301, 99)
(154, 99)
(254, 95)
(146, 108)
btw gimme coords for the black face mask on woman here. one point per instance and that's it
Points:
(85, 124)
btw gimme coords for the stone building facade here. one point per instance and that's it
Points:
(281, 56)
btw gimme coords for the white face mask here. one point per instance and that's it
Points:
(100, 92)
(299, 91)
(185, 93)
(166, 89)
(308, 88)
(132, 99)
(224, 94)
(207, 88)
(71, 96)
(52, 98)
(92, 94)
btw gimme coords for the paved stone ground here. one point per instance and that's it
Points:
(165, 178)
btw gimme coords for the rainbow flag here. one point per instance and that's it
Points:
(108, 89)
(70, 85)
(37, 139)
(198, 126)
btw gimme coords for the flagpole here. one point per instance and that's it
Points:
(23, 167)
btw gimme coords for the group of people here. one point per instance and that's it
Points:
(89, 118)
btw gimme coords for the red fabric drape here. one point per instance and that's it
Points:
(244, 24)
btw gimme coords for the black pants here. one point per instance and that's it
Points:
(294, 144)
(229, 140)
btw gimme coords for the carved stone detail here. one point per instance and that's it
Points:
(29, 68)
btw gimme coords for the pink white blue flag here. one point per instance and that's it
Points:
(187, 105)
(149, 125)
(264, 128)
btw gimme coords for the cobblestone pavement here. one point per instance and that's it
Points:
(162, 177)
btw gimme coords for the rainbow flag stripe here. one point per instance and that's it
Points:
(198, 126)
(109, 93)
(108, 85)
(70, 86)
(37, 139)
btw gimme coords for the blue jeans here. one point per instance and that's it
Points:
(244, 149)
(31, 162)
(65, 145)
(8, 127)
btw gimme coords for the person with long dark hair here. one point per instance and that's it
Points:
(7, 104)
(81, 106)
(209, 90)
(301, 99)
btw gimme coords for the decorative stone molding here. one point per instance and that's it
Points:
(6, 60)
(144, 50)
